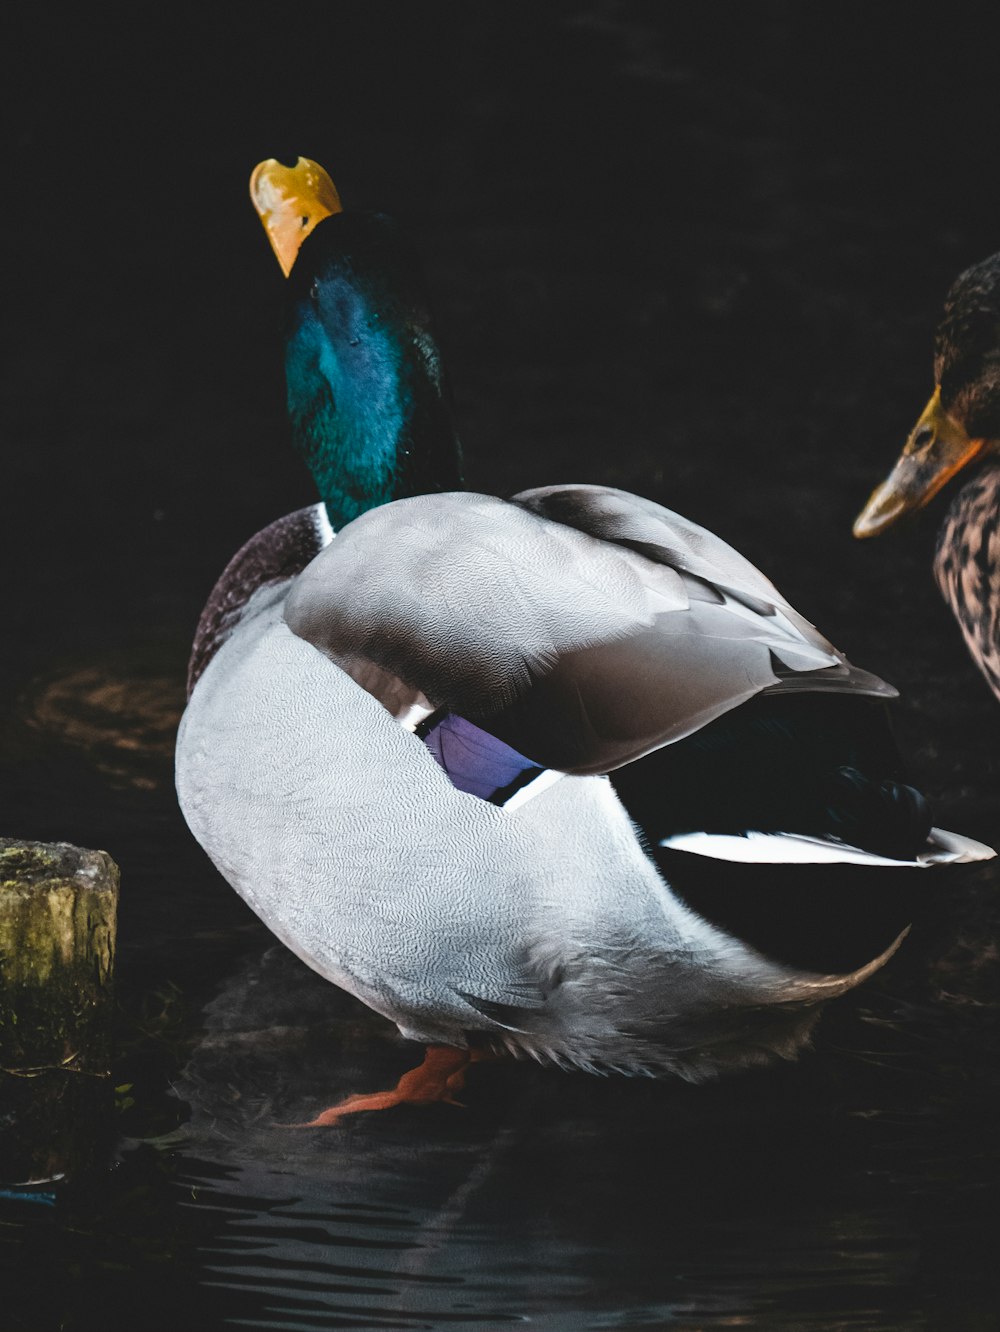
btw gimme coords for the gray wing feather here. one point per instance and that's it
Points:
(583, 643)
(655, 532)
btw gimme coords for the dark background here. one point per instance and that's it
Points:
(694, 250)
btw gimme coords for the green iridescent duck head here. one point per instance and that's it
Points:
(961, 422)
(367, 397)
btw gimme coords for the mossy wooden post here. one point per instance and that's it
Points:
(58, 907)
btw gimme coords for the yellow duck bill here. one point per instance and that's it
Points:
(291, 202)
(937, 448)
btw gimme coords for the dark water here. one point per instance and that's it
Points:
(694, 251)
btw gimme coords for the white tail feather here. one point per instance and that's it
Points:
(943, 848)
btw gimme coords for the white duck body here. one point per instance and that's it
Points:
(543, 927)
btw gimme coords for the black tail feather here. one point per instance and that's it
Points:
(883, 816)
(818, 764)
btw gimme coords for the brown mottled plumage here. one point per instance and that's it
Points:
(960, 425)
(967, 350)
(967, 568)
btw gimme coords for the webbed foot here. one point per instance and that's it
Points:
(438, 1078)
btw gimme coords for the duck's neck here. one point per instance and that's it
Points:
(367, 403)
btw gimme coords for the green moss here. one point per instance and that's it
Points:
(57, 943)
(27, 863)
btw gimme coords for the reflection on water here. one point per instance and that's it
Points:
(298, 1261)
(122, 714)
(776, 1200)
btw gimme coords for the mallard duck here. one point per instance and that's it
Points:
(506, 770)
(959, 426)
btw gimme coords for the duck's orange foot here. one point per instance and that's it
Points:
(438, 1078)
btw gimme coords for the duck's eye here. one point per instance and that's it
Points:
(314, 291)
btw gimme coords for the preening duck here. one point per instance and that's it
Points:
(528, 774)
(959, 427)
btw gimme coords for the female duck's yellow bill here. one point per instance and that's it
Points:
(937, 448)
(291, 201)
